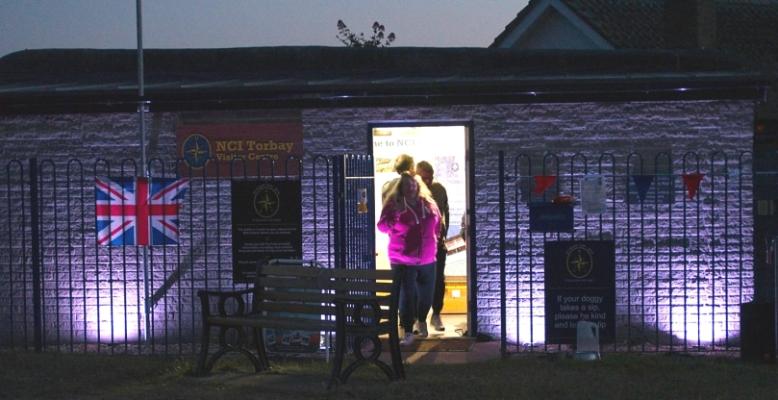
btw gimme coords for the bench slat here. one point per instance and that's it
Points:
(316, 297)
(323, 284)
(261, 321)
(297, 270)
(313, 309)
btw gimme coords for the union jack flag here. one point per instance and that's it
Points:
(138, 211)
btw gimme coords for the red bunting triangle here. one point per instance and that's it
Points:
(542, 183)
(692, 182)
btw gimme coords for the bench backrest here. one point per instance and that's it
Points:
(309, 290)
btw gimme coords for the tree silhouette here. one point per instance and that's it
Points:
(351, 39)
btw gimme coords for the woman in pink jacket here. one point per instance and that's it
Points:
(412, 220)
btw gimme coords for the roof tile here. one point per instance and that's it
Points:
(748, 27)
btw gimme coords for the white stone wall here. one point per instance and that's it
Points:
(703, 127)
(205, 259)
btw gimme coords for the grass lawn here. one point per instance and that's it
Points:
(617, 376)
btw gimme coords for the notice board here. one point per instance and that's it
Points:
(580, 286)
(266, 224)
(549, 217)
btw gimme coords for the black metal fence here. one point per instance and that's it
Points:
(60, 289)
(683, 263)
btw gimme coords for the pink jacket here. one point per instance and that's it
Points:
(413, 232)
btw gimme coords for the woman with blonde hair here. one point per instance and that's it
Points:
(412, 220)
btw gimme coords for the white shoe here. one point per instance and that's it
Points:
(407, 340)
(437, 323)
(423, 329)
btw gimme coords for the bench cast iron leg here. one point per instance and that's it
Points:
(394, 350)
(225, 347)
(373, 358)
(337, 365)
(259, 341)
(201, 360)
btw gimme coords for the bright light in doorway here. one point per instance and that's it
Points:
(442, 146)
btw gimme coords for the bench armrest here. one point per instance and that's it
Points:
(206, 296)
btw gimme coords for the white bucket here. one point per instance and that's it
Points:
(587, 341)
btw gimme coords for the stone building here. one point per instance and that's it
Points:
(683, 262)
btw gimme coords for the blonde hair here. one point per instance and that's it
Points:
(403, 163)
(395, 193)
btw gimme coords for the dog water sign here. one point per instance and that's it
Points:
(580, 286)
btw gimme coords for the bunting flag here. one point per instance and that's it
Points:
(138, 211)
(542, 183)
(593, 194)
(642, 183)
(692, 182)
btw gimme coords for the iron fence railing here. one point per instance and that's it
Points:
(683, 260)
(60, 289)
(683, 265)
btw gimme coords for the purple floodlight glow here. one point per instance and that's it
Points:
(114, 323)
(706, 327)
(529, 331)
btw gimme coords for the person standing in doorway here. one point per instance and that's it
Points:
(411, 219)
(427, 174)
(402, 164)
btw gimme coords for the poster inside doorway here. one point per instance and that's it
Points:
(442, 146)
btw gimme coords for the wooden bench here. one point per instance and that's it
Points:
(358, 305)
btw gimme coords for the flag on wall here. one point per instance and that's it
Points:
(593, 194)
(542, 183)
(138, 211)
(642, 183)
(692, 182)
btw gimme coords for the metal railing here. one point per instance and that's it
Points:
(60, 290)
(683, 264)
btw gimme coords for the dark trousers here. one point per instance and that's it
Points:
(418, 282)
(440, 280)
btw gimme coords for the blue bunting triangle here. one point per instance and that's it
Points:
(642, 183)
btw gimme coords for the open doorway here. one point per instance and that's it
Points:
(445, 147)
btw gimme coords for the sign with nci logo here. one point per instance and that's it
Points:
(266, 224)
(239, 148)
(580, 286)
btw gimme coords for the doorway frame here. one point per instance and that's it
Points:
(472, 270)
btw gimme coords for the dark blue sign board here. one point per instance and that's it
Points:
(549, 217)
(266, 223)
(580, 285)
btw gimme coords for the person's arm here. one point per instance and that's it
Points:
(388, 218)
(444, 211)
(435, 212)
(387, 188)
